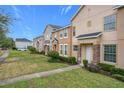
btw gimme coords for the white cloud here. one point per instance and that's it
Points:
(17, 12)
(65, 10)
(62, 11)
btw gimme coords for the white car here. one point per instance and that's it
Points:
(22, 49)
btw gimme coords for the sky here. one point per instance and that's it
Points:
(31, 20)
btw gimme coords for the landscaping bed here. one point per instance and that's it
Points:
(106, 69)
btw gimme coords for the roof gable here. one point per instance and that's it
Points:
(78, 11)
(54, 27)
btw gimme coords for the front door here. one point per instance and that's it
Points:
(89, 54)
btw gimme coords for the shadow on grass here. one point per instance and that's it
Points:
(53, 60)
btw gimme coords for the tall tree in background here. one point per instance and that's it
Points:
(5, 21)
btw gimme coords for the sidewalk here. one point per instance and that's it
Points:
(4, 56)
(36, 75)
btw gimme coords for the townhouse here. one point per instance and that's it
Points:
(48, 36)
(62, 41)
(98, 34)
(22, 44)
(38, 43)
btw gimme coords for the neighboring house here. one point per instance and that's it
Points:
(98, 34)
(48, 36)
(62, 41)
(22, 43)
(38, 43)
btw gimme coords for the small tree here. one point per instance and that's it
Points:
(8, 43)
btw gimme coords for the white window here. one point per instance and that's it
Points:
(61, 35)
(65, 33)
(61, 49)
(55, 36)
(65, 49)
(110, 53)
(110, 23)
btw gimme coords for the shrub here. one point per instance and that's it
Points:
(32, 49)
(72, 60)
(85, 62)
(42, 52)
(106, 67)
(53, 54)
(119, 77)
(14, 48)
(105, 72)
(117, 71)
(65, 59)
(93, 68)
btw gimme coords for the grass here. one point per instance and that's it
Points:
(1, 53)
(28, 63)
(78, 78)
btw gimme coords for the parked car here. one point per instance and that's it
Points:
(22, 49)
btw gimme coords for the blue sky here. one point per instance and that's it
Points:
(31, 20)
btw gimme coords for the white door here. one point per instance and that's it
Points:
(89, 53)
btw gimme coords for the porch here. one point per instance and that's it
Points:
(89, 48)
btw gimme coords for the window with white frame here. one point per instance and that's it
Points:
(65, 33)
(110, 23)
(61, 34)
(75, 47)
(110, 53)
(65, 49)
(61, 49)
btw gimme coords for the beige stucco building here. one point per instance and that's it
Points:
(62, 41)
(38, 43)
(98, 33)
(48, 36)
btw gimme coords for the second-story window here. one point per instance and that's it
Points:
(65, 33)
(61, 34)
(110, 23)
(55, 36)
(74, 33)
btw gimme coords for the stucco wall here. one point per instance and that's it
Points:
(95, 14)
(41, 42)
(48, 35)
(120, 36)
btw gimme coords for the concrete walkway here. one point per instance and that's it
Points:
(4, 56)
(36, 75)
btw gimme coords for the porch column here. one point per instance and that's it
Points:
(96, 53)
(79, 54)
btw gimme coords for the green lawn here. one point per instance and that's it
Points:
(28, 63)
(1, 53)
(79, 78)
